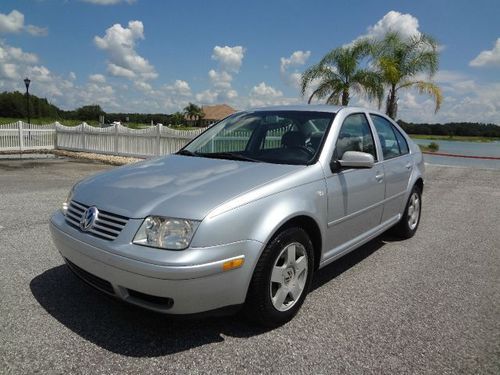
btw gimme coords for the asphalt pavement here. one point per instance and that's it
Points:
(430, 304)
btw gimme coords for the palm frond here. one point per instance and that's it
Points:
(428, 88)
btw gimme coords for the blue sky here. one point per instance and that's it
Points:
(156, 56)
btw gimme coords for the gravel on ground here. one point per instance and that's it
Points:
(430, 304)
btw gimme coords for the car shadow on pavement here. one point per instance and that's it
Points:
(131, 331)
(347, 261)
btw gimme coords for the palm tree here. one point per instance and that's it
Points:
(338, 73)
(401, 61)
(193, 112)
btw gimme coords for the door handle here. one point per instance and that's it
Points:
(379, 177)
(408, 166)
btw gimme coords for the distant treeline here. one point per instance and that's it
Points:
(452, 128)
(13, 105)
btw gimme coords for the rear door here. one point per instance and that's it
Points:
(355, 196)
(397, 165)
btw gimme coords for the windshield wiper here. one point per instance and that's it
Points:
(186, 153)
(228, 155)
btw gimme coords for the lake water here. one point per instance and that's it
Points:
(464, 148)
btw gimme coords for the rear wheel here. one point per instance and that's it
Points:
(408, 224)
(281, 279)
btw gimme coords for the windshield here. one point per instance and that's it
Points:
(284, 137)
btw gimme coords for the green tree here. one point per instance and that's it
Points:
(339, 72)
(13, 104)
(177, 118)
(193, 112)
(89, 112)
(402, 61)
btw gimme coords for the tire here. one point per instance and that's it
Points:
(408, 225)
(281, 279)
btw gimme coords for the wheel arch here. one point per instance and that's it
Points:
(311, 227)
(420, 184)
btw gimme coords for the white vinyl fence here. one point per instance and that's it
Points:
(20, 136)
(120, 140)
(113, 140)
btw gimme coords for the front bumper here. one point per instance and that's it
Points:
(177, 284)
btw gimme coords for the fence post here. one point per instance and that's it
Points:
(158, 139)
(21, 135)
(55, 135)
(82, 136)
(116, 139)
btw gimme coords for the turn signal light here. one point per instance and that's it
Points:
(232, 264)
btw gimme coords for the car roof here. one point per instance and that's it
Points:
(300, 107)
(311, 108)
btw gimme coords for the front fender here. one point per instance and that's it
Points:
(260, 219)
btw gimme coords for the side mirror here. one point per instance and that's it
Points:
(353, 159)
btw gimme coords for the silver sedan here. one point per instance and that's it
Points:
(244, 215)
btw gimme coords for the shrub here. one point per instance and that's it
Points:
(433, 147)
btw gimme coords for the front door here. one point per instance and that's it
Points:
(355, 196)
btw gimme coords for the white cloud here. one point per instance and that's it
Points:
(296, 59)
(221, 80)
(39, 74)
(72, 76)
(97, 78)
(119, 71)
(488, 58)
(109, 2)
(14, 62)
(145, 87)
(13, 22)
(263, 90)
(9, 71)
(207, 97)
(179, 87)
(123, 59)
(229, 58)
(9, 53)
(266, 95)
(37, 31)
(404, 24)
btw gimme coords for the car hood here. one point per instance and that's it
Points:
(177, 186)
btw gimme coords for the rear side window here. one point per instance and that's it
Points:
(355, 135)
(403, 145)
(392, 141)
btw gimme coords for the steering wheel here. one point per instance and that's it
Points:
(308, 150)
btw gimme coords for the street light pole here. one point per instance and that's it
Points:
(27, 83)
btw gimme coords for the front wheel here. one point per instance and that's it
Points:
(281, 279)
(408, 225)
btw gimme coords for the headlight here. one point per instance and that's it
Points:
(65, 204)
(166, 232)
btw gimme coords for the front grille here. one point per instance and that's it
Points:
(91, 279)
(107, 225)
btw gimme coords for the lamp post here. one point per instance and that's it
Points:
(27, 83)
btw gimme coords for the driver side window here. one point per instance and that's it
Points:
(355, 135)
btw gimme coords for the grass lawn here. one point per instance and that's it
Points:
(458, 138)
(426, 148)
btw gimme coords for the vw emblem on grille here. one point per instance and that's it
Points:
(88, 218)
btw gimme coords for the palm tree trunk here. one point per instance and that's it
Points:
(391, 107)
(345, 97)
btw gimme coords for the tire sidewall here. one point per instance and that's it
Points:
(411, 232)
(269, 314)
